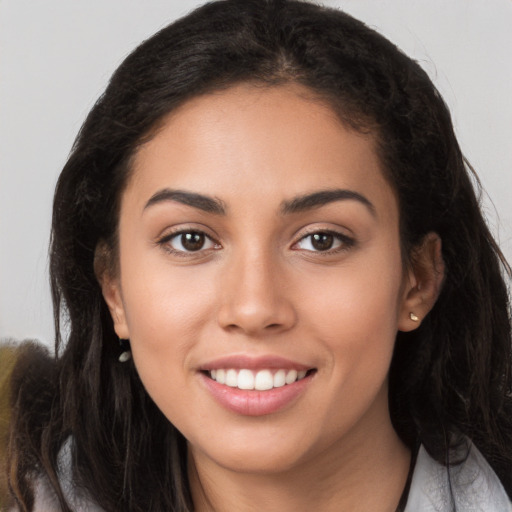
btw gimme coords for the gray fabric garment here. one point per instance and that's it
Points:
(474, 485)
(78, 499)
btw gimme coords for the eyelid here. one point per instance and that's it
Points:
(185, 227)
(346, 241)
(171, 233)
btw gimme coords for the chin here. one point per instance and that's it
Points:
(254, 460)
(258, 450)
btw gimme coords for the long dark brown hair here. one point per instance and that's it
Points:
(449, 380)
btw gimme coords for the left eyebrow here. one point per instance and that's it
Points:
(205, 203)
(323, 197)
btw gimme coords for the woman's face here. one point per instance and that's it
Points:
(259, 248)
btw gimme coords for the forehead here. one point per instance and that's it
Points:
(282, 140)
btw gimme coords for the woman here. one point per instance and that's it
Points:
(278, 285)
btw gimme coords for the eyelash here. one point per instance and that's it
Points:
(345, 242)
(165, 242)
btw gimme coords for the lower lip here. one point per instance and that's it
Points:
(252, 402)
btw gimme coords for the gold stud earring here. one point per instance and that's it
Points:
(413, 317)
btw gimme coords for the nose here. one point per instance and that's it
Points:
(255, 298)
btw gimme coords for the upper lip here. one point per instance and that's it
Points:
(253, 363)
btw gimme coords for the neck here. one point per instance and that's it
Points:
(353, 474)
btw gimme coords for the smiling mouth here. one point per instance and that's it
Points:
(261, 380)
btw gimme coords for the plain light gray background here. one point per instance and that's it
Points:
(56, 57)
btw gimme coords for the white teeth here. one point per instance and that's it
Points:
(245, 379)
(279, 378)
(232, 378)
(220, 376)
(261, 380)
(291, 376)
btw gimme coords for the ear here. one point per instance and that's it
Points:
(424, 282)
(111, 289)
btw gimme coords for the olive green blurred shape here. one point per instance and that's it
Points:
(8, 355)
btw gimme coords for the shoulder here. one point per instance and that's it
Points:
(471, 486)
(77, 498)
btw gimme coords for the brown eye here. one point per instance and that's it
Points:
(192, 241)
(322, 241)
(188, 241)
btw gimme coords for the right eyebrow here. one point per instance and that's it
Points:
(202, 202)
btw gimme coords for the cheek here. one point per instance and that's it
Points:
(355, 312)
(160, 299)
(166, 317)
(354, 318)
(166, 310)
(359, 296)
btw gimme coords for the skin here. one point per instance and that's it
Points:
(259, 287)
